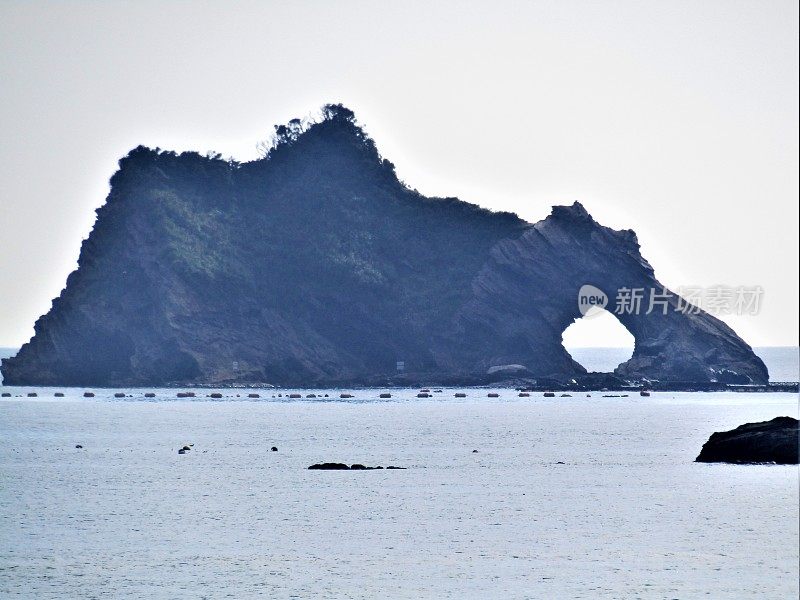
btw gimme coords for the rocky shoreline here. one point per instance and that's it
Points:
(313, 393)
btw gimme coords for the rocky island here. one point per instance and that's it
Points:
(316, 265)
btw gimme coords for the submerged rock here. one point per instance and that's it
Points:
(329, 467)
(774, 441)
(344, 467)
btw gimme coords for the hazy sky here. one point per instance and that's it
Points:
(677, 119)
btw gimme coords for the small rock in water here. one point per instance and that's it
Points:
(329, 467)
(344, 467)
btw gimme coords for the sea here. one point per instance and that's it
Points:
(581, 496)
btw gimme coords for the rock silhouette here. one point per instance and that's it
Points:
(455, 292)
(343, 467)
(329, 467)
(774, 441)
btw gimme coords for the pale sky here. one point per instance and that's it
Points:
(676, 119)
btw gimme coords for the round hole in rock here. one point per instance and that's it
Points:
(598, 341)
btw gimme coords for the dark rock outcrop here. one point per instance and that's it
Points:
(329, 467)
(344, 467)
(774, 441)
(316, 266)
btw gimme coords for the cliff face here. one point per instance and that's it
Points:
(315, 265)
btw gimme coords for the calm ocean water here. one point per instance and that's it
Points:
(566, 498)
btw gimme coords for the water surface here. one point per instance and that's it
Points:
(566, 498)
